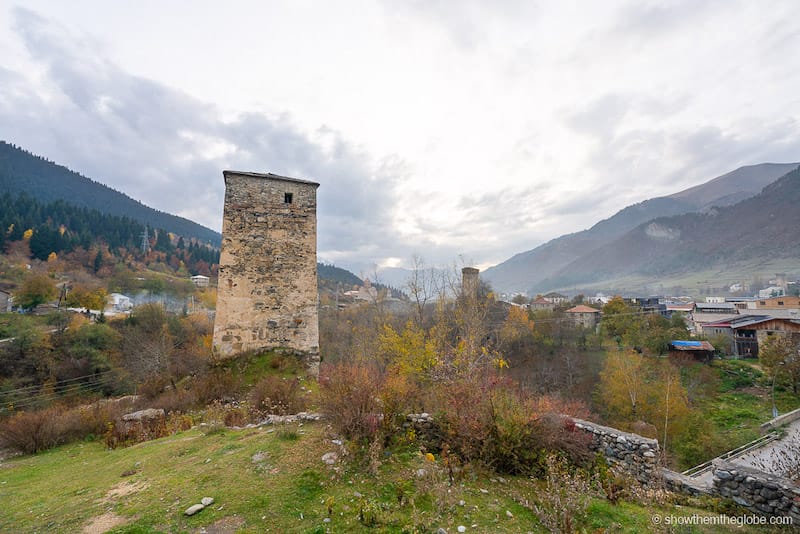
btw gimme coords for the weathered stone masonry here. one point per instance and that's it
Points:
(267, 294)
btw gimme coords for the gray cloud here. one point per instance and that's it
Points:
(168, 149)
(648, 161)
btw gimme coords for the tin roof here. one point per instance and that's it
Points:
(691, 345)
(583, 309)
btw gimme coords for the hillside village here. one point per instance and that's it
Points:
(673, 394)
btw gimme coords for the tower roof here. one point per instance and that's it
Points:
(268, 176)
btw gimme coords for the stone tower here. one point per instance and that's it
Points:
(267, 294)
(470, 282)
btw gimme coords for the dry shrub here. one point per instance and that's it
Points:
(152, 387)
(35, 431)
(349, 399)
(275, 395)
(487, 419)
(178, 422)
(217, 385)
(566, 496)
(235, 416)
(31, 432)
(175, 401)
(124, 433)
(463, 413)
(285, 363)
(398, 396)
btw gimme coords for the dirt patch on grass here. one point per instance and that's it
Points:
(226, 525)
(103, 523)
(123, 489)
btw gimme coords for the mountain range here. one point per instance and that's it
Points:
(666, 234)
(23, 172)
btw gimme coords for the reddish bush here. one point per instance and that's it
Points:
(30, 432)
(349, 399)
(486, 418)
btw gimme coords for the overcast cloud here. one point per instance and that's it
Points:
(444, 129)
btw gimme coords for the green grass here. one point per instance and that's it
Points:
(262, 483)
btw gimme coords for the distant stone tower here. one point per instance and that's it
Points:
(470, 282)
(267, 294)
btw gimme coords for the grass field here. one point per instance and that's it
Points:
(274, 480)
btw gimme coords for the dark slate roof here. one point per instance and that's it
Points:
(269, 176)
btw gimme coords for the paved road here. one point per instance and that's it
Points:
(780, 457)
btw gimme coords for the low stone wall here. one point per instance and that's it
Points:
(632, 454)
(425, 428)
(757, 491)
(680, 483)
(780, 421)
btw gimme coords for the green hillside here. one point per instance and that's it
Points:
(45, 181)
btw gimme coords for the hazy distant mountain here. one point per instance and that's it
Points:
(45, 181)
(528, 270)
(759, 228)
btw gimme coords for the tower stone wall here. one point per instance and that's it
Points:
(470, 282)
(267, 291)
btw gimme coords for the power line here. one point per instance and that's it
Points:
(50, 395)
(39, 386)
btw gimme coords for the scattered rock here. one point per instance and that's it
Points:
(441, 531)
(207, 501)
(259, 457)
(330, 458)
(462, 503)
(484, 491)
(357, 495)
(461, 528)
(193, 509)
(509, 514)
(421, 473)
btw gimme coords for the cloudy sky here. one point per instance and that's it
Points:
(441, 128)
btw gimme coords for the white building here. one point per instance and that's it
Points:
(117, 302)
(200, 281)
(771, 291)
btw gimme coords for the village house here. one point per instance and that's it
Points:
(119, 303)
(5, 300)
(747, 333)
(710, 312)
(556, 298)
(367, 292)
(699, 350)
(584, 316)
(200, 281)
(540, 303)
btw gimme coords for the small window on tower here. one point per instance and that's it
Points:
(287, 198)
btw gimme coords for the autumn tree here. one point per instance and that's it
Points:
(780, 355)
(36, 289)
(421, 287)
(517, 329)
(637, 388)
(408, 352)
(623, 385)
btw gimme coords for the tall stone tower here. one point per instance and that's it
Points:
(267, 294)
(470, 282)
